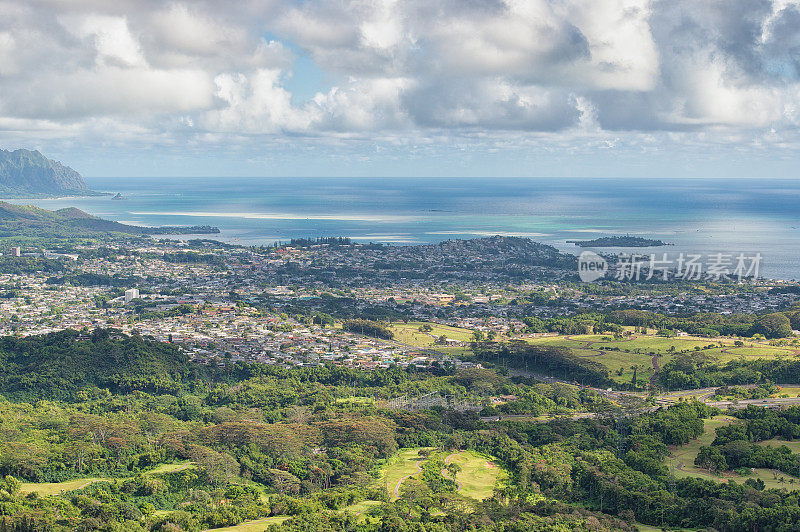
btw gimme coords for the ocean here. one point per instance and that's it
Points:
(698, 216)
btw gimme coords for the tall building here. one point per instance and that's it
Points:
(16, 252)
(130, 294)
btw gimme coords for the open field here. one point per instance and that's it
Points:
(258, 525)
(681, 461)
(409, 333)
(54, 488)
(403, 464)
(356, 400)
(361, 507)
(478, 476)
(171, 468)
(791, 391)
(637, 350)
(793, 446)
(361, 510)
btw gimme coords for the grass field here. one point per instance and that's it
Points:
(171, 468)
(361, 509)
(638, 350)
(478, 476)
(793, 446)
(402, 464)
(54, 488)
(259, 525)
(409, 333)
(681, 460)
(356, 400)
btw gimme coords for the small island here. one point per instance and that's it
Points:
(118, 196)
(626, 241)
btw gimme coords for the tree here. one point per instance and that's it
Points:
(453, 469)
(220, 467)
(711, 458)
(414, 493)
(775, 325)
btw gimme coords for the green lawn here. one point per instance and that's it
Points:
(259, 525)
(361, 511)
(171, 468)
(409, 333)
(636, 351)
(681, 460)
(402, 464)
(356, 400)
(54, 488)
(754, 351)
(793, 446)
(478, 475)
(361, 507)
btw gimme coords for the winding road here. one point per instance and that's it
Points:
(400, 482)
(447, 460)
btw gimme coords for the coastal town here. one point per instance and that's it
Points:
(224, 304)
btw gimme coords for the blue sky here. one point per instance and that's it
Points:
(627, 88)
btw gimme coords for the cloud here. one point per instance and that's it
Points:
(404, 71)
(110, 37)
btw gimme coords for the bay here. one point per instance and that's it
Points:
(728, 216)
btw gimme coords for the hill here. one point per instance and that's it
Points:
(17, 220)
(58, 365)
(626, 241)
(26, 173)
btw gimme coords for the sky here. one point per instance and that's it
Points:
(611, 88)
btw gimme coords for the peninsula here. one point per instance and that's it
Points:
(626, 241)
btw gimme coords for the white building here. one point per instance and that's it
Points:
(131, 294)
(16, 252)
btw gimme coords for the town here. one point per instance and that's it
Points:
(225, 303)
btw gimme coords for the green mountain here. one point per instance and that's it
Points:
(17, 220)
(25, 173)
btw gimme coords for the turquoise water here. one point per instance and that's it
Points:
(698, 216)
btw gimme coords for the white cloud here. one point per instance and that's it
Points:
(416, 71)
(8, 48)
(111, 38)
(254, 105)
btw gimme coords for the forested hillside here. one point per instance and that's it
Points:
(107, 432)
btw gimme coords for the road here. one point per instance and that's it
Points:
(400, 482)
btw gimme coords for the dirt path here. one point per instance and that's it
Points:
(447, 460)
(400, 482)
(86, 484)
(656, 369)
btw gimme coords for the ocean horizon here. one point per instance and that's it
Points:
(728, 216)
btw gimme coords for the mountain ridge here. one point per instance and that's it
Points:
(28, 173)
